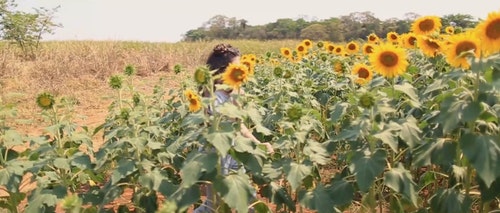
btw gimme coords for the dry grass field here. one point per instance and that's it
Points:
(79, 71)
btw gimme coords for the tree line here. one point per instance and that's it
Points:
(354, 26)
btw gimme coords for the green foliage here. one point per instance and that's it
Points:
(425, 141)
(26, 29)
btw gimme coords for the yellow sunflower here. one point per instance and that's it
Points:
(330, 47)
(367, 48)
(409, 40)
(250, 57)
(285, 51)
(459, 44)
(449, 30)
(426, 25)
(488, 31)
(373, 38)
(250, 65)
(352, 47)
(388, 60)
(362, 73)
(301, 49)
(193, 99)
(296, 57)
(392, 37)
(429, 46)
(307, 43)
(235, 75)
(338, 67)
(339, 50)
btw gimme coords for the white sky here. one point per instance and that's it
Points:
(166, 21)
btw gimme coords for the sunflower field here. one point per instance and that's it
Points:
(401, 123)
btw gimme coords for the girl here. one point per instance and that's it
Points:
(220, 57)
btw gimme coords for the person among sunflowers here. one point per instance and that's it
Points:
(224, 60)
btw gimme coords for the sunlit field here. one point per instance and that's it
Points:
(393, 123)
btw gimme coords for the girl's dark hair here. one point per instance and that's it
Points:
(220, 57)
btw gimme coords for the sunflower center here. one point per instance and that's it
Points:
(287, 52)
(394, 37)
(338, 67)
(388, 59)
(412, 41)
(493, 29)
(369, 49)
(300, 48)
(338, 50)
(237, 74)
(193, 101)
(363, 73)
(464, 47)
(45, 101)
(432, 44)
(426, 25)
(372, 38)
(351, 46)
(331, 48)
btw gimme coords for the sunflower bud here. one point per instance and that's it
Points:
(366, 100)
(177, 68)
(45, 101)
(295, 112)
(320, 44)
(278, 71)
(115, 82)
(129, 70)
(288, 74)
(136, 99)
(71, 202)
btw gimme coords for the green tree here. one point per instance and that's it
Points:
(315, 32)
(195, 35)
(459, 21)
(26, 29)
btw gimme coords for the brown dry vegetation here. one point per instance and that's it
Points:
(79, 70)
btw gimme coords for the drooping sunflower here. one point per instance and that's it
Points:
(488, 31)
(367, 48)
(202, 75)
(459, 45)
(429, 46)
(352, 47)
(362, 73)
(235, 75)
(193, 99)
(409, 40)
(286, 52)
(338, 67)
(389, 60)
(426, 25)
(449, 30)
(307, 43)
(373, 38)
(392, 37)
(296, 57)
